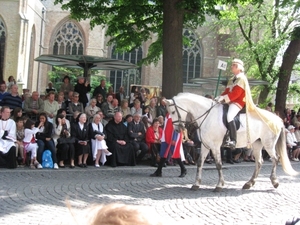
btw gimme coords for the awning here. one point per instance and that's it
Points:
(85, 62)
(224, 80)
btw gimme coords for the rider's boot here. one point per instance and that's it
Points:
(232, 134)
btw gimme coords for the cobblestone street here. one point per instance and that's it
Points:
(40, 196)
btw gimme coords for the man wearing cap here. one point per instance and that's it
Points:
(234, 96)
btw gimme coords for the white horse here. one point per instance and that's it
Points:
(208, 116)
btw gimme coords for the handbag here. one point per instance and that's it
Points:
(64, 140)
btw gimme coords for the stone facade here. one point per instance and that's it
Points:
(32, 26)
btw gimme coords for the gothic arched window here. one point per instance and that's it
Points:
(191, 57)
(68, 40)
(126, 77)
(2, 47)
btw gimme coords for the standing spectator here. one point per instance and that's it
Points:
(3, 91)
(82, 88)
(51, 107)
(101, 89)
(124, 108)
(80, 133)
(137, 108)
(66, 87)
(162, 109)
(13, 99)
(33, 105)
(121, 95)
(50, 88)
(8, 137)
(136, 132)
(75, 105)
(44, 138)
(118, 142)
(91, 109)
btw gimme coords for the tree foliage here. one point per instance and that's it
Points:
(129, 23)
(260, 32)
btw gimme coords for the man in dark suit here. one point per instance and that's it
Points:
(136, 132)
(101, 89)
(120, 95)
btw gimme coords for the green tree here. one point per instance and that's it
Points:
(129, 23)
(259, 33)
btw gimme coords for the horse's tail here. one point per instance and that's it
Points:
(282, 153)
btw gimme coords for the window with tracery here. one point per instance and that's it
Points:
(68, 40)
(191, 57)
(2, 47)
(126, 77)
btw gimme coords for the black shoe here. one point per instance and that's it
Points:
(155, 174)
(165, 165)
(61, 166)
(229, 161)
(236, 161)
(208, 161)
(72, 167)
(84, 165)
(183, 174)
(154, 165)
(80, 165)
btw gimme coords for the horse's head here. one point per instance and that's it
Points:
(177, 113)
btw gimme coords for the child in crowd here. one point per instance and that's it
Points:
(20, 137)
(29, 143)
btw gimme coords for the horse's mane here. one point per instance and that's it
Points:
(195, 98)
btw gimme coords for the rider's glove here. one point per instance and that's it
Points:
(217, 98)
(221, 99)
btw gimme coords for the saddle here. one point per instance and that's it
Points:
(236, 118)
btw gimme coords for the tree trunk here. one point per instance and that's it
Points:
(284, 75)
(263, 95)
(172, 49)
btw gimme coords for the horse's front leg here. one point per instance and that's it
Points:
(257, 147)
(217, 156)
(200, 162)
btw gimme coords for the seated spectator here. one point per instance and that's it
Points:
(20, 138)
(136, 108)
(148, 114)
(103, 121)
(18, 113)
(50, 88)
(64, 142)
(161, 121)
(51, 107)
(121, 95)
(44, 138)
(69, 100)
(99, 99)
(162, 109)
(10, 83)
(75, 105)
(292, 143)
(80, 132)
(97, 135)
(111, 92)
(188, 144)
(8, 137)
(124, 108)
(152, 108)
(61, 101)
(74, 118)
(153, 136)
(118, 142)
(91, 109)
(136, 132)
(3, 91)
(232, 156)
(12, 100)
(33, 105)
(248, 157)
(107, 107)
(128, 119)
(146, 123)
(29, 143)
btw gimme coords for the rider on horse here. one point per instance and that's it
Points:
(235, 96)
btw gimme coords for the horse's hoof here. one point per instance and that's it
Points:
(247, 186)
(275, 185)
(195, 187)
(218, 189)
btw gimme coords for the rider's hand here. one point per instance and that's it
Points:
(217, 98)
(221, 99)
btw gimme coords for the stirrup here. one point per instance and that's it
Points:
(230, 144)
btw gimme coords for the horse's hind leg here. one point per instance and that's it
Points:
(203, 153)
(273, 176)
(257, 147)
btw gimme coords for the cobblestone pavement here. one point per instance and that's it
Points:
(40, 196)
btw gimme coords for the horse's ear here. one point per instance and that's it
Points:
(167, 101)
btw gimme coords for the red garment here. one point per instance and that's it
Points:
(234, 92)
(150, 135)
